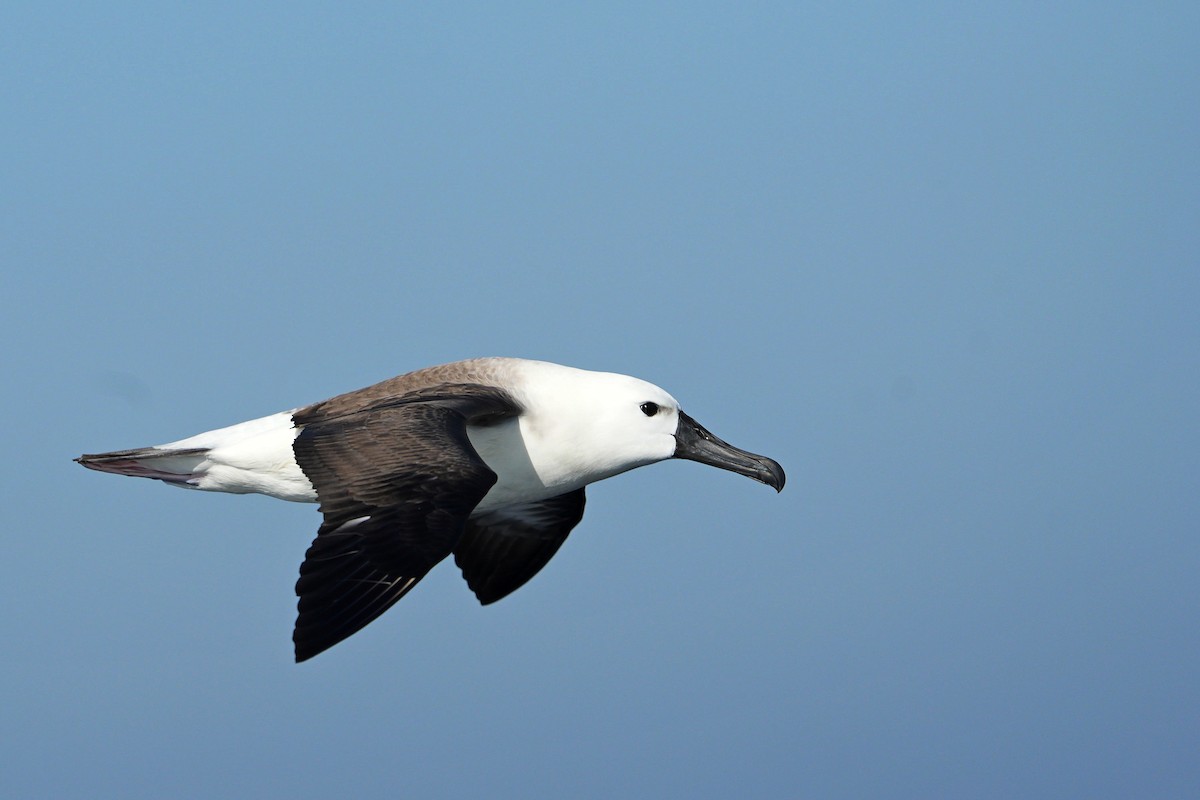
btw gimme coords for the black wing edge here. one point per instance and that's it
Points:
(341, 592)
(498, 553)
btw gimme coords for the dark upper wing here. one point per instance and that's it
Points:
(396, 482)
(504, 548)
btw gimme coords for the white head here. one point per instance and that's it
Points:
(582, 426)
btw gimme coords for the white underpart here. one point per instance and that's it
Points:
(502, 447)
(254, 456)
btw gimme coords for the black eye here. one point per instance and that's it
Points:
(649, 409)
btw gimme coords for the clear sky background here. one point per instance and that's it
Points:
(941, 261)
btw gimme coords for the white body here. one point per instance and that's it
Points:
(577, 427)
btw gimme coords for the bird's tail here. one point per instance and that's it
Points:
(252, 456)
(176, 466)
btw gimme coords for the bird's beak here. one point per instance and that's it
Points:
(695, 443)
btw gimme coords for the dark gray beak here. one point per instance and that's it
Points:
(695, 443)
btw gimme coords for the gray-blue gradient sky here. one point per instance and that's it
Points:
(940, 261)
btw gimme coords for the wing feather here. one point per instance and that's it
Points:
(502, 549)
(396, 481)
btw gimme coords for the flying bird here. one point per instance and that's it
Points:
(485, 459)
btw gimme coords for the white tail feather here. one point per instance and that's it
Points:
(250, 457)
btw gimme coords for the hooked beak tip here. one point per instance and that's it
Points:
(775, 475)
(695, 443)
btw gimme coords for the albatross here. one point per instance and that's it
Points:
(485, 459)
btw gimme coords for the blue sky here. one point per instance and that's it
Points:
(940, 261)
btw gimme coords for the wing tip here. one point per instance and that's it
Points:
(303, 653)
(308, 646)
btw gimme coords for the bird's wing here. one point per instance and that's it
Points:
(502, 549)
(396, 482)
